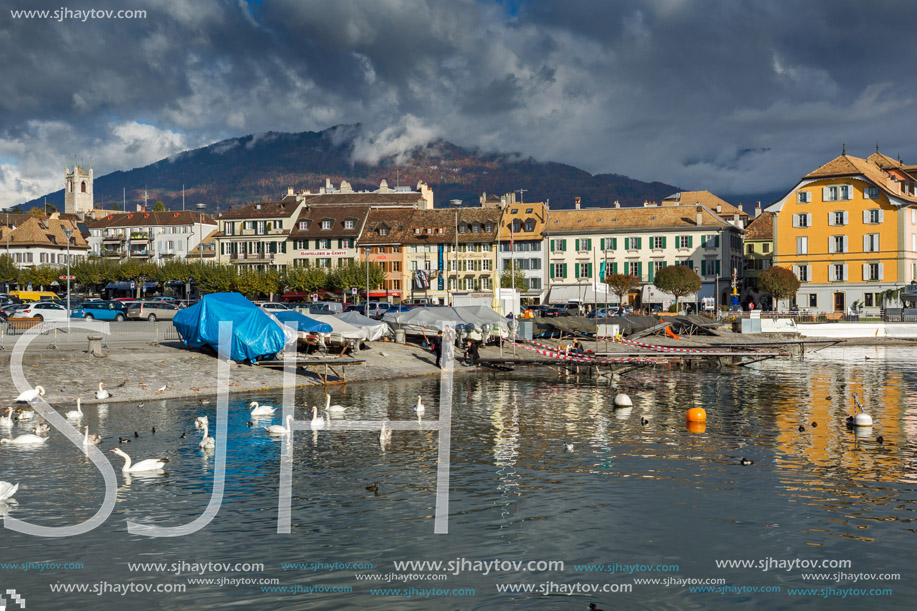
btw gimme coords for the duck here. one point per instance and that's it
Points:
(261, 410)
(150, 464)
(276, 429)
(26, 439)
(880, 440)
(334, 409)
(25, 416)
(802, 428)
(30, 395)
(745, 462)
(594, 607)
(374, 487)
(385, 434)
(207, 442)
(75, 414)
(91, 440)
(102, 393)
(7, 420)
(123, 440)
(419, 408)
(644, 421)
(568, 447)
(42, 428)
(814, 424)
(201, 422)
(7, 490)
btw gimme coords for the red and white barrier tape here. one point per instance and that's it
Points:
(579, 359)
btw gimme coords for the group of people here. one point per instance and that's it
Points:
(472, 355)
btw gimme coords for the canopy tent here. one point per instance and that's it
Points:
(374, 328)
(437, 318)
(127, 285)
(254, 334)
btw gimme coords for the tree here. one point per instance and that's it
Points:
(305, 279)
(40, 276)
(159, 207)
(780, 282)
(8, 270)
(621, 284)
(353, 274)
(513, 278)
(679, 280)
(115, 206)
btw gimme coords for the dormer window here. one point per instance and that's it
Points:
(517, 225)
(476, 228)
(326, 224)
(417, 230)
(349, 224)
(304, 225)
(490, 227)
(383, 230)
(463, 228)
(528, 210)
(530, 225)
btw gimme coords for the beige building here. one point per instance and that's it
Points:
(34, 241)
(256, 236)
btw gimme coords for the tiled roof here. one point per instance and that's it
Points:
(519, 211)
(148, 219)
(262, 210)
(375, 199)
(848, 165)
(619, 219)
(396, 221)
(762, 228)
(314, 216)
(430, 226)
(48, 233)
(704, 198)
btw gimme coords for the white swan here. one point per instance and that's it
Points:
(91, 440)
(201, 422)
(102, 393)
(419, 408)
(334, 409)
(317, 422)
(42, 428)
(385, 435)
(150, 464)
(26, 439)
(276, 429)
(30, 395)
(75, 414)
(207, 442)
(261, 410)
(7, 420)
(7, 490)
(25, 416)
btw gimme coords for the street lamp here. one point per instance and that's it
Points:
(200, 225)
(68, 231)
(455, 203)
(366, 302)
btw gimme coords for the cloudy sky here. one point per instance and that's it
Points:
(730, 96)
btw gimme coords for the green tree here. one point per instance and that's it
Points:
(780, 282)
(621, 284)
(41, 276)
(345, 277)
(159, 207)
(513, 278)
(115, 206)
(305, 279)
(214, 277)
(679, 280)
(8, 270)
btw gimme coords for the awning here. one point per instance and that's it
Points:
(127, 285)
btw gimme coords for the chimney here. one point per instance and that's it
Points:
(290, 191)
(740, 209)
(719, 209)
(758, 209)
(700, 216)
(140, 208)
(576, 201)
(736, 220)
(617, 204)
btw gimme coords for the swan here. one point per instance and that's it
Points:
(7, 490)
(102, 393)
(317, 422)
(91, 440)
(7, 420)
(207, 442)
(334, 409)
(150, 464)
(261, 410)
(42, 428)
(419, 408)
(385, 434)
(30, 395)
(24, 416)
(77, 413)
(25, 439)
(276, 429)
(201, 422)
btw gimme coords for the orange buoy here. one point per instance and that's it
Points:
(697, 414)
(696, 427)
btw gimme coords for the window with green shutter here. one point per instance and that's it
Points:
(663, 241)
(626, 245)
(602, 244)
(614, 268)
(652, 271)
(717, 264)
(552, 246)
(551, 269)
(703, 240)
(626, 266)
(614, 243)
(589, 269)
(703, 267)
(564, 268)
(690, 241)
(589, 245)
(717, 243)
(563, 247)
(639, 244)
(639, 273)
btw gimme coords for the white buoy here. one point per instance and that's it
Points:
(862, 420)
(622, 400)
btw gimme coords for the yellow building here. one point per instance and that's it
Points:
(848, 230)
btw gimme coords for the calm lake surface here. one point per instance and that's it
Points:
(659, 495)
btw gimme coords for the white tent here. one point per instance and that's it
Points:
(424, 320)
(374, 328)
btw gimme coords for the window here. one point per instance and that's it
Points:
(838, 218)
(684, 241)
(802, 245)
(802, 272)
(558, 270)
(874, 216)
(534, 284)
(348, 224)
(535, 263)
(658, 242)
(584, 270)
(229, 228)
(765, 248)
(486, 265)
(383, 231)
(326, 224)
(347, 243)
(751, 249)
(871, 242)
(475, 228)
(485, 247)
(813, 300)
(871, 193)
(324, 244)
(463, 228)
(872, 271)
(558, 245)
(837, 193)
(803, 197)
(837, 243)
(530, 225)
(710, 241)
(869, 300)
(837, 272)
(633, 243)
(584, 244)
(802, 220)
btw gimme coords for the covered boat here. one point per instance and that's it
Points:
(430, 320)
(254, 334)
(374, 329)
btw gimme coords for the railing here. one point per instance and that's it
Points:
(55, 336)
(253, 256)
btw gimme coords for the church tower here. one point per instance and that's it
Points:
(78, 190)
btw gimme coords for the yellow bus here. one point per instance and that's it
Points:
(30, 296)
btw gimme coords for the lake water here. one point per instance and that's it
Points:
(657, 499)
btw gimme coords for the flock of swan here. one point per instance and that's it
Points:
(39, 432)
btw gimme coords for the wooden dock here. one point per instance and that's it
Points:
(320, 367)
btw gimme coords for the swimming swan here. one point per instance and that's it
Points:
(261, 410)
(77, 413)
(276, 429)
(419, 408)
(334, 409)
(26, 439)
(7, 490)
(150, 464)
(91, 440)
(207, 442)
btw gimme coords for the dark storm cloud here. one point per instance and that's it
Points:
(729, 96)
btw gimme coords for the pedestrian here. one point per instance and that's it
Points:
(471, 353)
(576, 347)
(436, 345)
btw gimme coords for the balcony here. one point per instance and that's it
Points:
(108, 253)
(141, 254)
(113, 239)
(254, 257)
(140, 237)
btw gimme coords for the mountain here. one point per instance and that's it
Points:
(262, 166)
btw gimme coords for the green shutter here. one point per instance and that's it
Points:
(703, 240)
(690, 264)
(639, 273)
(703, 267)
(639, 244)
(717, 267)
(626, 267)
(664, 264)
(614, 268)
(563, 247)
(663, 241)
(589, 270)
(589, 245)
(626, 244)
(717, 243)
(614, 243)
(602, 244)
(552, 245)
(551, 270)
(652, 270)
(564, 269)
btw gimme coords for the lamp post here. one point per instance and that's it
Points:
(455, 203)
(366, 251)
(68, 231)
(200, 225)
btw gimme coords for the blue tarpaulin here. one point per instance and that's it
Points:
(254, 334)
(301, 322)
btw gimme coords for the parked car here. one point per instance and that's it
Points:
(43, 310)
(9, 311)
(374, 309)
(151, 310)
(100, 310)
(335, 306)
(272, 305)
(552, 311)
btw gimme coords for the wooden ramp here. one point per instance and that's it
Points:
(320, 367)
